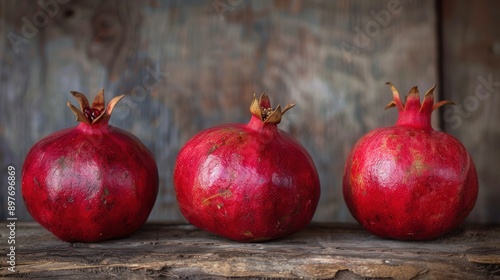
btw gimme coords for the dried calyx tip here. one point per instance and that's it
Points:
(430, 95)
(267, 112)
(261, 107)
(97, 111)
(427, 101)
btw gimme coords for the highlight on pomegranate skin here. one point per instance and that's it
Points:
(410, 181)
(247, 182)
(91, 182)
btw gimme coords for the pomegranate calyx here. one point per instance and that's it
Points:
(429, 101)
(413, 100)
(413, 112)
(95, 113)
(396, 102)
(261, 108)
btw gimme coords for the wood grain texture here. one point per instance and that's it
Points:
(323, 251)
(189, 65)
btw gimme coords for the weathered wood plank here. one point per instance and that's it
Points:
(471, 77)
(322, 251)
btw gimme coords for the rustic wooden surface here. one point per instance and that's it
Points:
(323, 251)
(331, 58)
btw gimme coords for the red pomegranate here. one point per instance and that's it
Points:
(248, 182)
(91, 182)
(409, 181)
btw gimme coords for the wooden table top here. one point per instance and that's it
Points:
(343, 251)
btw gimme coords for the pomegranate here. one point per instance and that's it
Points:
(409, 181)
(249, 182)
(91, 182)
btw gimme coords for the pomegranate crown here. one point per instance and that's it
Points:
(413, 112)
(95, 113)
(261, 108)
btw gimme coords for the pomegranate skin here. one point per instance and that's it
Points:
(246, 182)
(90, 183)
(409, 181)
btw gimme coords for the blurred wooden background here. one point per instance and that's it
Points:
(189, 65)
